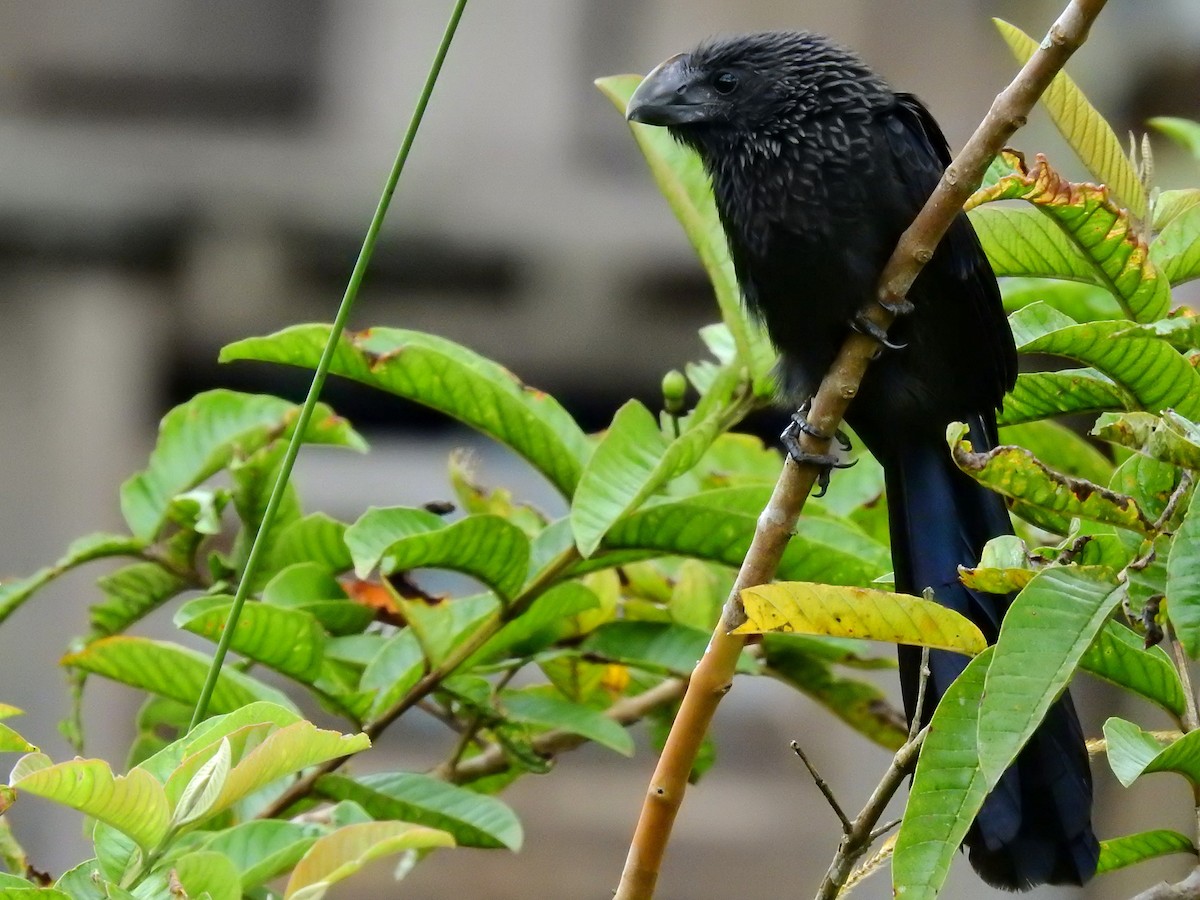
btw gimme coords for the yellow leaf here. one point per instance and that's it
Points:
(1084, 128)
(801, 606)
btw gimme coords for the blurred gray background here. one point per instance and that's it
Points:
(176, 174)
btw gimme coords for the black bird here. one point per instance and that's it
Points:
(817, 167)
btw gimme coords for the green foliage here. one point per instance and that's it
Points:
(1109, 542)
(600, 609)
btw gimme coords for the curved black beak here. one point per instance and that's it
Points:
(671, 95)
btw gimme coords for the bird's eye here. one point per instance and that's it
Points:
(725, 82)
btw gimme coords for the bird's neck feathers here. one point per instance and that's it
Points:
(794, 172)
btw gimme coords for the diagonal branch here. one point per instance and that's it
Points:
(713, 676)
(550, 744)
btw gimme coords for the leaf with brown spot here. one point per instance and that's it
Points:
(1104, 233)
(1017, 473)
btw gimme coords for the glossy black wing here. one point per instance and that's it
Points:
(921, 154)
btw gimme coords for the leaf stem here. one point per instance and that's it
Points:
(318, 381)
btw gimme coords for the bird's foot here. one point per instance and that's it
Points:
(899, 307)
(824, 462)
(800, 421)
(864, 325)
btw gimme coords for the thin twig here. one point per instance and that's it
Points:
(823, 787)
(922, 685)
(1191, 718)
(713, 676)
(1177, 495)
(427, 683)
(883, 829)
(493, 761)
(858, 840)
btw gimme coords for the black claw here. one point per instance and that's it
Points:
(800, 420)
(863, 325)
(824, 462)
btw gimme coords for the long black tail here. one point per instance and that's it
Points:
(1035, 826)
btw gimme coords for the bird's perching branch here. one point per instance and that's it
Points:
(713, 676)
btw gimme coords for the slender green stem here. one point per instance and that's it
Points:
(318, 382)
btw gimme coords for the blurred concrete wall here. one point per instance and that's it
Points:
(175, 174)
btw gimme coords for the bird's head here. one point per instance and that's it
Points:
(754, 85)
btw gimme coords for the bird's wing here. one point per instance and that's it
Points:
(921, 154)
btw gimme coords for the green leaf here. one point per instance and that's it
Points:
(1176, 250)
(719, 526)
(170, 671)
(544, 622)
(1184, 132)
(632, 461)
(1078, 300)
(315, 539)
(201, 436)
(1016, 473)
(85, 549)
(1049, 626)
(1148, 367)
(204, 786)
(1133, 752)
(440, 628)
(310, 587)
(1039, 395)
(1060, 448)
(264, 848)
(1118, 655)
(254, 481)
(948, 789)
(11, 742)
(699, 594)
(337, 856)
(1023, 242)
(206, 736)
(285, 752)
(1160, 438)
(485, 547)
(475, 820)
(1004, 567)
(290, 641)
(682, 180)
(85, 882)
(1183, 580)
(1103, 232)
(393, 671)
(807, 608)
(1117, 853)
(1172, 204)
(134, 804)
(537, 708)
(133, 592)
(206, 873)
(1083, 127)
(859, 704)
(444, 376)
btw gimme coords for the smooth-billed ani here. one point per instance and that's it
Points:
(817, 167)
